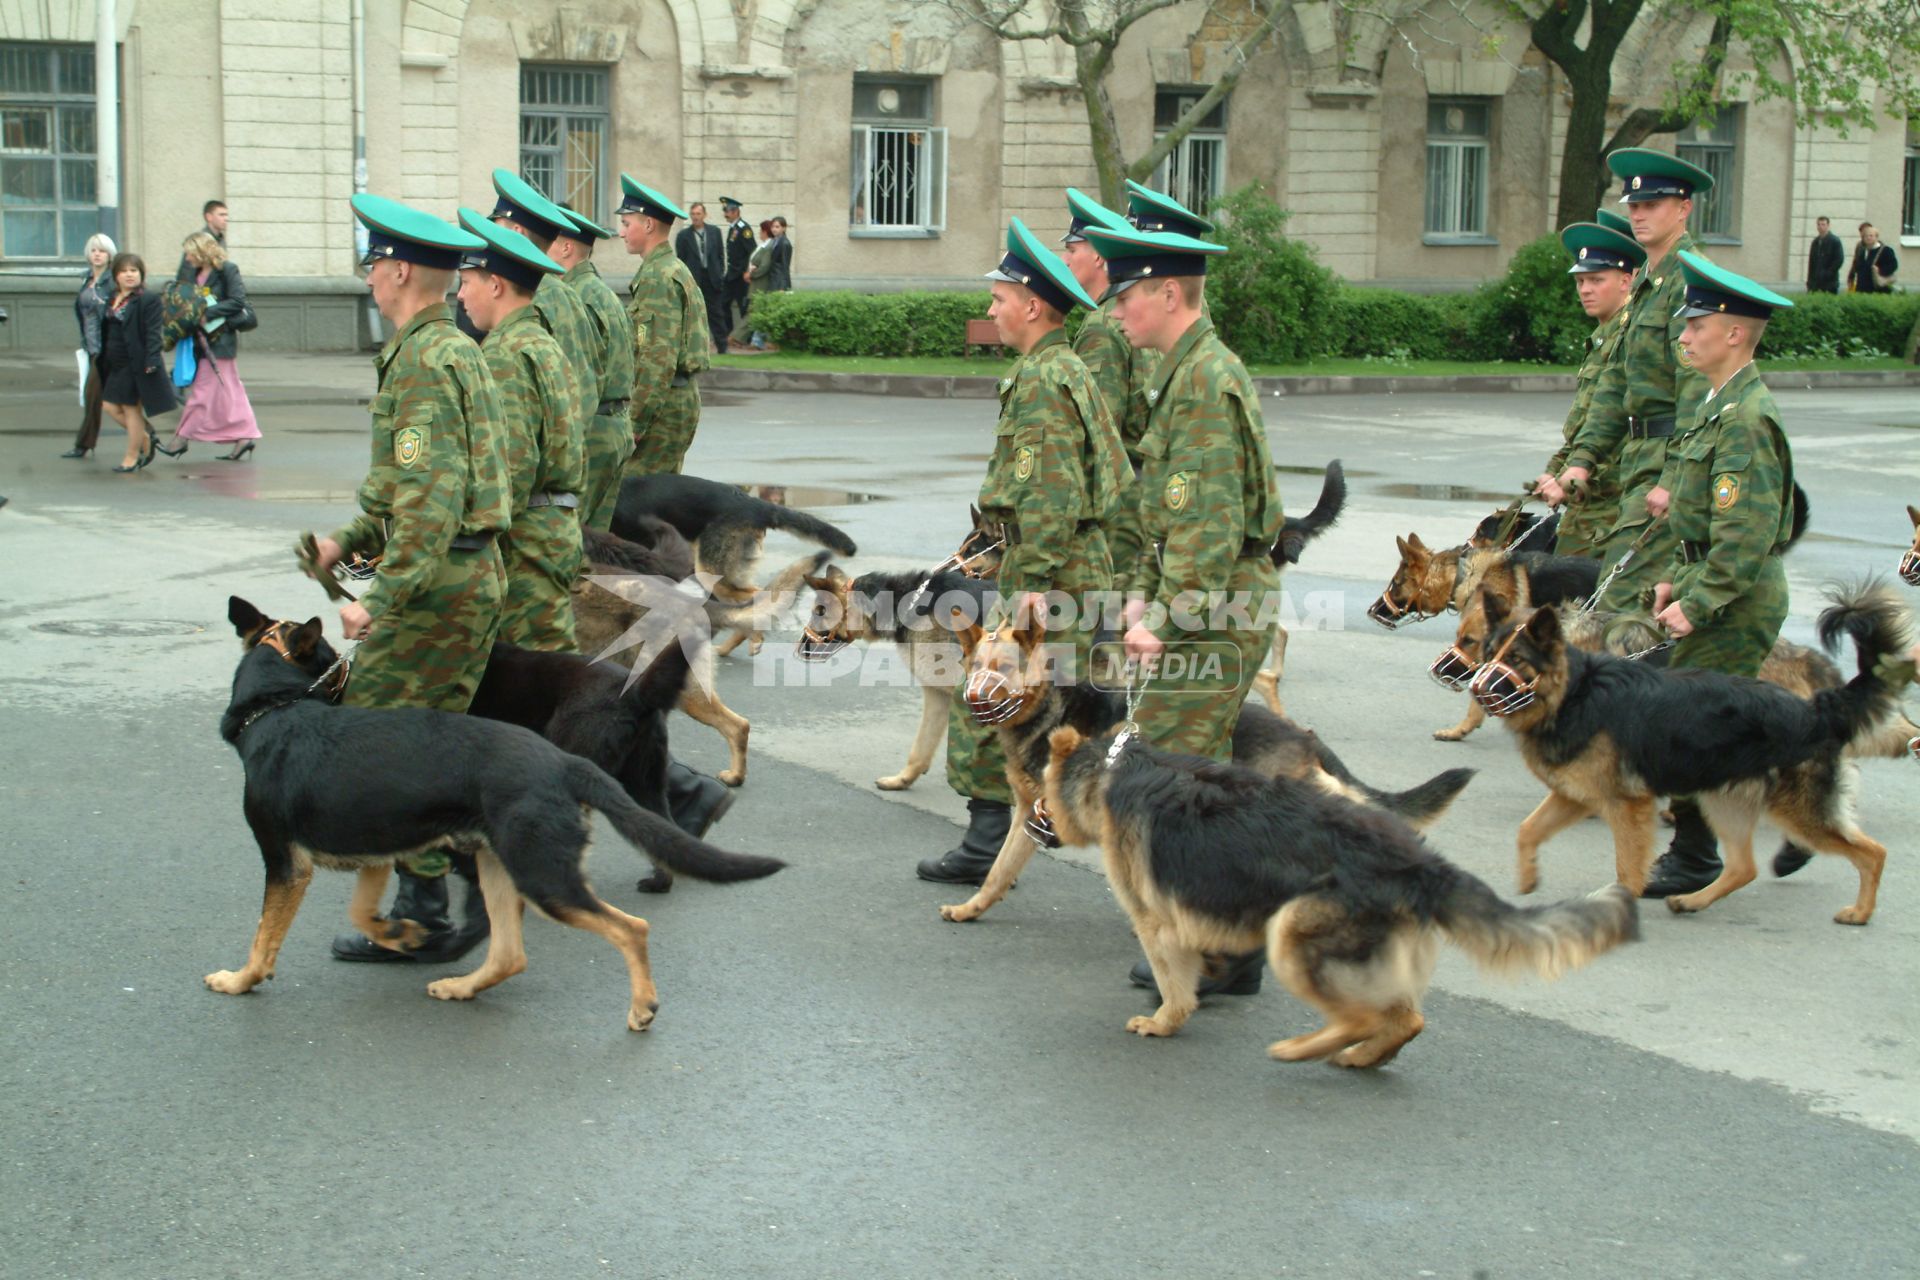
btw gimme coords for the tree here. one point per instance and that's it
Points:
(1093, 29)
(1828, 59)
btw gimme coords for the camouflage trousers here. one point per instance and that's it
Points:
(1193, 703)
(432, 652)
(1740, 638)
(1632, 590)
(543, 558)
(1584, 525)
(1124, 537)
(663, 434)
(609, 445)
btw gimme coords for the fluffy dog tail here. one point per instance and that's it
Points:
(658, 838)
(1420, 807)
(804, 525)
(1872, 615)
(1296, 533)
(763, 611)
(1546, 940)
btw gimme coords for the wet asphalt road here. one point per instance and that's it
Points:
(839, 1083)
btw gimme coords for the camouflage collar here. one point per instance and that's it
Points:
(580, 270)
(1198, 332)
(662, 250)
(1054, 337)
(425, 316)
(518, 317)
(1656, 273)
(1730, 390)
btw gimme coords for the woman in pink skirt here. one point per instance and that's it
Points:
(217, 409)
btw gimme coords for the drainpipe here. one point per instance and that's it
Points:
(106, 120)
(359, 58)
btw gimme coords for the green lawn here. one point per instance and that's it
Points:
(987, 366)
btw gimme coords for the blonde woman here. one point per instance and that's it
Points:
(90, 309)
(133, 376)
(217, 409)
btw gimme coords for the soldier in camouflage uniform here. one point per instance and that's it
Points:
(545, 428)
(672, 347)
(1723, 592)
(1649, 392)
(609, 435)
(1604, 262)
(433, 504)
(1057, 472)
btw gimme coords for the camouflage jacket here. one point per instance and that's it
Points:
(1121, 371)
(545, 420)
(612, 329)
(439, 465)
(1207, 486)
(1650, 378)
(1731, 478)
(670, 336)
(1057, 465)
(1603, 348)
(572, 327)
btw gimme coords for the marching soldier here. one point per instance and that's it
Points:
(1605, 259)
(521, 208)
(609, 435)
(671, 345)
(1058, 471)
(545, 429)
(433, 505)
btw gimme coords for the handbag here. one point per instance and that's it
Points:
(80, 360)
(1882, 280)
(185, 365)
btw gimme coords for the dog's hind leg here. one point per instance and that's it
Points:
(1400, 977)
(1732, 814)
(1632, 822)
(1267, 685)
(926, 739)
(1294, 950)
(629, 935)
(1176, 972)
(1838, 834)
(288, 875)
(1550, 817)
(1015, 852)
(363, 911)
(506, 947)
(704, 705)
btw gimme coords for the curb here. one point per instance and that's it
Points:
(984, 387)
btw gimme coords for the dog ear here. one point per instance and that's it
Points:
(1413, 540)
(1406, 552)
(246, 619)
(1543, 628)
(306, 638)
(973, 515)
(1913, 513)
(966, 631)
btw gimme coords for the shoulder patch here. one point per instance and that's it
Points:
(1179, 489)
(409, 446)
(1023, 462)
(1726, 491)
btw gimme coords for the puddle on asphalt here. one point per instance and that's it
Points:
(806, 495)
(1440, 493)
(118, 628)
(723, 400)
(1318, 471)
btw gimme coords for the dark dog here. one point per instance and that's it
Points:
(1910, 562)
(1350, 905)
(1609, 736)
(1295, 533)
(1009, 685)
(725, 524)
(353, 789)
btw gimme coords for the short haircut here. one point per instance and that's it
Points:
(1192, 289)
(101, 240)
(1823, 218)
(201, 246)
(1865, 226)
(696, 205)
(210, 206)
(121, 261)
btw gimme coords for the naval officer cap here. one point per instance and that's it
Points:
(1651, 175)
(1134, 255)
(1149, 210)
(1086, 212)
(1608, 218)
(520, 202)
(506, 253)
(407, 235)
(728, 202)
(1033, 265)
(1713, 291)
(637, 197)
(1598, 248)
(583, 228)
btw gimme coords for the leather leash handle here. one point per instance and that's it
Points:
(307, 551)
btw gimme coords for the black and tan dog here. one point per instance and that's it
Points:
(352, 789)
(1608, 736)
(1350, 905)
(1910, 562)
(1010, 686)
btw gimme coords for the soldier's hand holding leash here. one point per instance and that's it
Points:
(1667, 612)
(1657, 500)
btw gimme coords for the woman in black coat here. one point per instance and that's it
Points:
(133, 374)
(780, 265)
(1871, 260)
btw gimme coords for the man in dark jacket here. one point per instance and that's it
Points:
(1825, 259)
(740, 246)
(699, 246)
(214, 215)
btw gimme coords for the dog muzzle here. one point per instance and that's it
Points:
(817, 646)
(1910, 568)
(1390, 615)
(1501, 690)
(991, 697)
(1040, 826)
(1913, 749)
(1453, 668)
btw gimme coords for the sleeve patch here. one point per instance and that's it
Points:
(1726, 492)
(1023, 463)
(1179, 489)
(409, 446)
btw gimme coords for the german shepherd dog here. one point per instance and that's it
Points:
(1009, 686)
(1608, 736)
(1349, 903)
(353, 789)
(1528, 532)
(1910, 562)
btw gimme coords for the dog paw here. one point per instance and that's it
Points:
(961, 912)
(1845, 915)
(1449, 735)
(1527, 881)
(1360, 1058)
(451, 989)
(229, 983)
(661, 881)
(732, 777)
(1147, 1027)
(1682, 904)
(640, 1017)
(893, 782)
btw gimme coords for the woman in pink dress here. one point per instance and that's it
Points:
(217, 409)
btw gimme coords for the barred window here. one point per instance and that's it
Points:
(563, 135)
(1459, 141)
(1910, 186)
(1195, 171)
(1712, 142)
(48, 202)
(897, 163)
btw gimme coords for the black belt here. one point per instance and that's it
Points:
(554, 500)
(609, 408)
(1086, 526)
(1695, 552)
(471, 541)
(681, 380)
(1649, 428)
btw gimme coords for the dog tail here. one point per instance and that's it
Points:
(811, 527)
(1546, 940)
(1296, 533)
(658, 838)
(1874, 618)
(1420, 807)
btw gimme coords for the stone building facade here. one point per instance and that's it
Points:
(897, 138)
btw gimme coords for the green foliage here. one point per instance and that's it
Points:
(842, 323)
(1267, 294)
(1378, 323)
(1532, 313)
(1846, 324)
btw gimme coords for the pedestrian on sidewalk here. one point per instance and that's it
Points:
(780, 272)
(90, 309)
(217, 410)
(134, 385)
(744, 338)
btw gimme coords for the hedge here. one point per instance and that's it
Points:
(1845, 324)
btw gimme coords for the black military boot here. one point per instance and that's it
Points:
(1791, 858)
(1691, 862)
(469, 933)
(1223, 976)
(695, 801)
(420, 899)
(988, 822)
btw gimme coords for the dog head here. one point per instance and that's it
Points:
(1006, 673)
(1910, 563)
(834, 622)
(302, 644)
(1487, 534)
(1483, 611)
(1525, 672)
(1422, 587)
(982, 549)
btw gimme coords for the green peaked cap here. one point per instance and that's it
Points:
(1598, 248)
(1151, 210)
(1650, 174)
(1134, 255)
(1714, 290)
(522, 202)
(399, 231)
(1034, 266)
(641, 198)
(506, 252)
